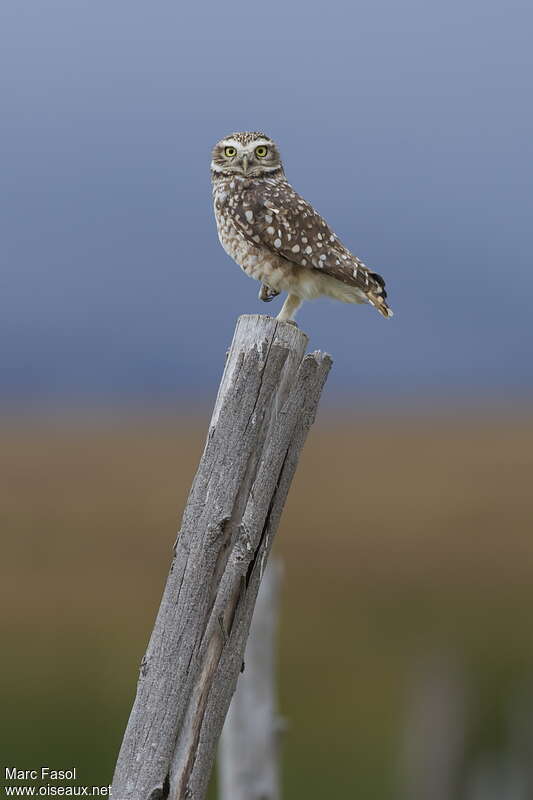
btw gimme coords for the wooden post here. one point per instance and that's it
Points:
(266, 403)
(436, 729)
(248, 753)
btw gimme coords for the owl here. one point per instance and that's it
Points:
(276, 236)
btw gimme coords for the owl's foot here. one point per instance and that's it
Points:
(289, 309)
(266, 293)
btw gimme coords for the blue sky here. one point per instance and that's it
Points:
(409, 126)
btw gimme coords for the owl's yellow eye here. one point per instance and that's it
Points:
(230, 152)
(261, 151)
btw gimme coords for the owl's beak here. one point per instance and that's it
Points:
(244, 163)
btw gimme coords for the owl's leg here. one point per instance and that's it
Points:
(290, 307)
(266, 293)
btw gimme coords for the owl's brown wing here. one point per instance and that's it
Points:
(274, 215)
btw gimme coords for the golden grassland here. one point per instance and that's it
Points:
(403, 536)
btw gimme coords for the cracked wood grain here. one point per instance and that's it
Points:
(265, 405)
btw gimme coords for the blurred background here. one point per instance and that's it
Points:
(406, 652)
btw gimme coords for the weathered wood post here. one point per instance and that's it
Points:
(248, 753)
(266, 403)
(436, 728)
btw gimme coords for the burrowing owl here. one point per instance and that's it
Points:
(274, 234)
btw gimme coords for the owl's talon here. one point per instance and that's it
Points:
(266, 294)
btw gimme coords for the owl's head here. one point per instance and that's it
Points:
(248, 154)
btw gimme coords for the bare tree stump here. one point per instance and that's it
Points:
(248, 752)
(266, 403)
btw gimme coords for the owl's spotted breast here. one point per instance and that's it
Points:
(238, 239)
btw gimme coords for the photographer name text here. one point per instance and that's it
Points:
(43, 774)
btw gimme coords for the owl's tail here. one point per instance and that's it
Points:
(377, 295)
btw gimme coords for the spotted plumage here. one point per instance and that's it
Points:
(276, 236)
